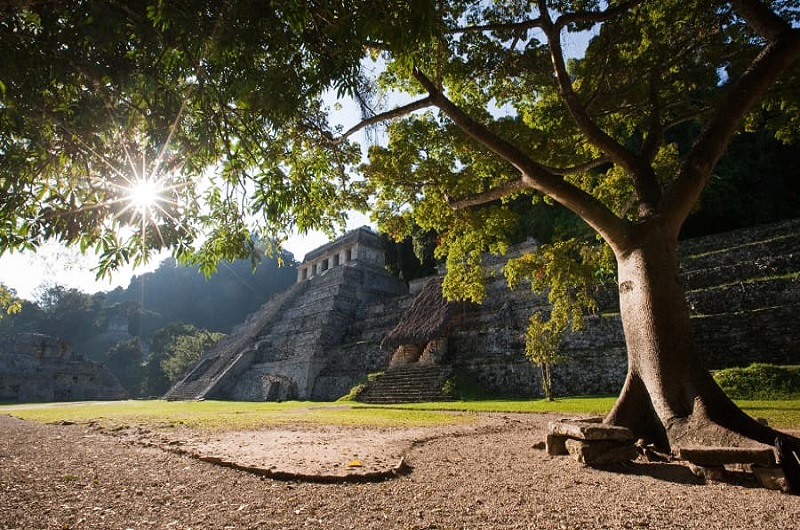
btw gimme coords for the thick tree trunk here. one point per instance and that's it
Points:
(669, 397)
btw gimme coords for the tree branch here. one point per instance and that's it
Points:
(750, 89)
(595, 16)
(640, 171)
(384, 116)
(655, 130)
(761, 18)
(563, 21)
(580, 168)
(507, 26)
(515, 186)
(534, 176)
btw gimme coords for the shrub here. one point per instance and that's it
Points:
(360, 387)
(760, 381)
(463, 385)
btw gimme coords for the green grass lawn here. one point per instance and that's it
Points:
(230, 415)
(781, 414)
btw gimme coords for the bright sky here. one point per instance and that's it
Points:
(56, 265)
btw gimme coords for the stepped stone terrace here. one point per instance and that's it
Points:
(347, 317)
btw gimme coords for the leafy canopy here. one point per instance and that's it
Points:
(217, 106)
(185, 349)
(519, 117)
(226, 106)
(9, 304)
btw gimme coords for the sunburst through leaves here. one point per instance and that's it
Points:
(149, 195)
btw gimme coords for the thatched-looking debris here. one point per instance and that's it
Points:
(428, 319)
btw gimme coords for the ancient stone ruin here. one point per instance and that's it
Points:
(312, 341)
(347, 317)
(39, 368)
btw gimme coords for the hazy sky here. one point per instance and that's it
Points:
(54, 264)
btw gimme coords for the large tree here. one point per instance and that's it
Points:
(516, 114)
(505, 102)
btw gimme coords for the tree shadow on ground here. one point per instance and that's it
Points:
(676, 473)
(682, 474)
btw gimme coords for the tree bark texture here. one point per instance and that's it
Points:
(669, 397)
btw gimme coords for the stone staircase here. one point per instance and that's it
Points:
(196, 382)
(411, 383)
(213, 366)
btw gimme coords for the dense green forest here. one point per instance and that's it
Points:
(756, 182)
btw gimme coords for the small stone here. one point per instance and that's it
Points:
(709, 473)
(771, 477)
(601, 452)
(555, 445)
(589, 431)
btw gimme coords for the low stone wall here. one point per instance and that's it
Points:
(27, 379)
(743, 288)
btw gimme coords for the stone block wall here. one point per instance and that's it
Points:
(360, 245)
(324, 335)
(743, 288)
(27, 379)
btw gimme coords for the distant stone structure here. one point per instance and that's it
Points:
(116, 331)
(307, 342)
(40, 368)
(323, 335)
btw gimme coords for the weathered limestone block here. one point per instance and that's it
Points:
(591, 442)
(601, 452)
(585, 430)
(770, 477)
(709, 463)
(720, 456)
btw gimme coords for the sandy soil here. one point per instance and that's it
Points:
(493, 474)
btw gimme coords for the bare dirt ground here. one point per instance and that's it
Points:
(493, 474)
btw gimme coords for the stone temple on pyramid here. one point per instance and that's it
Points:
(347, 316)
(315, 340)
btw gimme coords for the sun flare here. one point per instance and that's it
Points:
(144, 194)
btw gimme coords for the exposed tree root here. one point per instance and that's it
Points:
(713, 420)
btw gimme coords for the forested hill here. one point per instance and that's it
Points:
(153, 300)
(174, 293)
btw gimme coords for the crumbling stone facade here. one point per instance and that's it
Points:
(362, 246)
(40, 368)
(743, 288)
